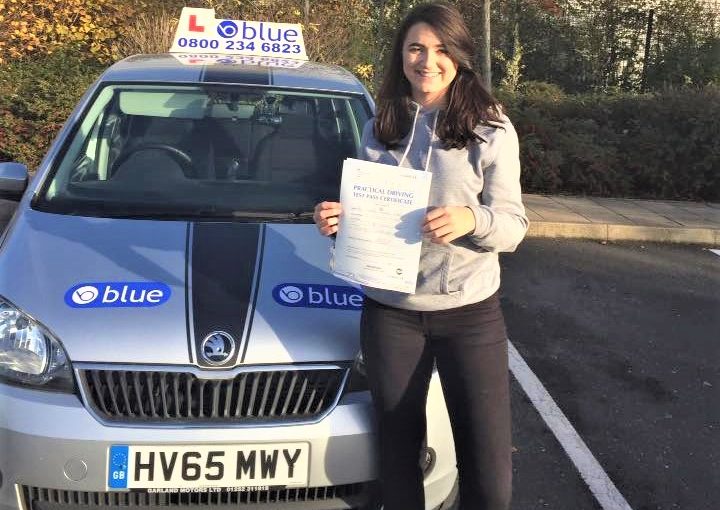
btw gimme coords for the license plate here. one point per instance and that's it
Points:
(234, 467)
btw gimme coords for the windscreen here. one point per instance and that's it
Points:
(212, 151)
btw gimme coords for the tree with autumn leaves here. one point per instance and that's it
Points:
(43, 26)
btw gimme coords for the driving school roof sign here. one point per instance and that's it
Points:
(199, 31)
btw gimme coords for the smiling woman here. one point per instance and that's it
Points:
(435, 116)
(427, 65)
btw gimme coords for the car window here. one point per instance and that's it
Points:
(148, 151)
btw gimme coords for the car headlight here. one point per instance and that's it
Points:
(29, 354)
(358, 376)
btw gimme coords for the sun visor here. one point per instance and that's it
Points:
(181, 105)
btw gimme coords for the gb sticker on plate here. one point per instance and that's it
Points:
(118, 467)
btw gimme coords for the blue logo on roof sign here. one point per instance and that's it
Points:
(227, 29)
(303, 295)
(117, 294)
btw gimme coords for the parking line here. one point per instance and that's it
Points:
(590, 470)
(716, 252)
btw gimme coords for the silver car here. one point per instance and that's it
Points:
(170, 333)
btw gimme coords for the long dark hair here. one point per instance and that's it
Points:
(468, 103)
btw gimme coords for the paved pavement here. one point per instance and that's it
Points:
(619, 219)
(604, 219)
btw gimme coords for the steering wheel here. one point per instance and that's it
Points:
(181, 157)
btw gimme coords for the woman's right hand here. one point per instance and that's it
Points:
(326, 217)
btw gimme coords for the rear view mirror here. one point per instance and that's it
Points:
(13, 180)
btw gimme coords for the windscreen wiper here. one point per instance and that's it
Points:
(273, 216)
(180, 215)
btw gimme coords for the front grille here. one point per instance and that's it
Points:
(351, 496)
(129, 396)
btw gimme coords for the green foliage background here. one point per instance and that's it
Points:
(656, 145)
(36, 97)
(595, 114)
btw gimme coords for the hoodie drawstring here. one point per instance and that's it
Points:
(432, 137)
(412, 136)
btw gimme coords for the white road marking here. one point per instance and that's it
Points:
(716, 252)
(590, 469)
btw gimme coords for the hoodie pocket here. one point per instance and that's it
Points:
(448, 284)
(434, 270)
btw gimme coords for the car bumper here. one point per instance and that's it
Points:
(50, 441)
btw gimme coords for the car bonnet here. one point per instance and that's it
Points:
(164, 288)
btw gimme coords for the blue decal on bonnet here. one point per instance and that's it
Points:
(318, 296)
(117, 294)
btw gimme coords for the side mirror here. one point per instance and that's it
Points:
(13, 180)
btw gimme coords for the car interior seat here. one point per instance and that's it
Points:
(289, 154)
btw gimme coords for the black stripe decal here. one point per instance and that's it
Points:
(188, 292)
(256, 286)
(224, 259)
(251, 75)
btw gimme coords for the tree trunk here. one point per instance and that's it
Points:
(612, 44)
(648, 46)
(381, 43)
(486, 61)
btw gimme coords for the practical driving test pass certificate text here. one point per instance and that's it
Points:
(380, 235)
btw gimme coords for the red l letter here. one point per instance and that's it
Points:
(194, 27)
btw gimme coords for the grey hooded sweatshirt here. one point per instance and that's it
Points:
(485, 176)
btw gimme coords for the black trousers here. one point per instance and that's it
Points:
(469, 345)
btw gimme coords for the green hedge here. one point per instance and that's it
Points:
(663, 145)
(36, 97)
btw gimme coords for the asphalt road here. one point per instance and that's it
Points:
(626, 339)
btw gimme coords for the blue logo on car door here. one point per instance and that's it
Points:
(318, 296)
(117, 294)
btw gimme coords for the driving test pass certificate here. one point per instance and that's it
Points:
(380, 236)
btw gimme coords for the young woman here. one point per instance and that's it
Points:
(434, 115)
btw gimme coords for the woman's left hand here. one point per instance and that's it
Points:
(445, 224)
